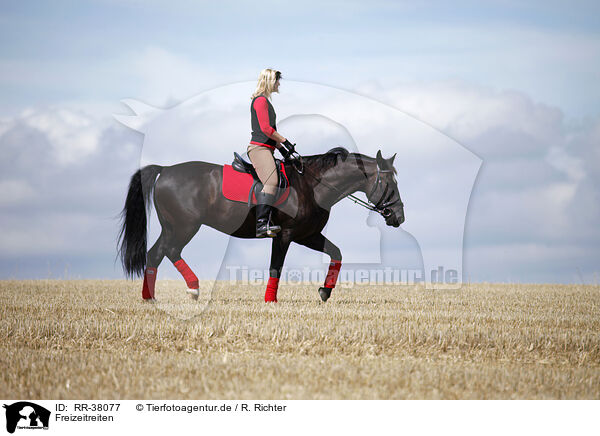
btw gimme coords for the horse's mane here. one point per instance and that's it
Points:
(326, 160)
(330, 159)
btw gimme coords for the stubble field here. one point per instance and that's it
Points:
(98, 340)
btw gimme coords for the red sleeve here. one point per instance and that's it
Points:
(262, 112)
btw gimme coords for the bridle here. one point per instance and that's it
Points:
(382, 206)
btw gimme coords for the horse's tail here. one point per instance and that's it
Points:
(134, 229)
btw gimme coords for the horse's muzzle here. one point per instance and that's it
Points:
(391, 219)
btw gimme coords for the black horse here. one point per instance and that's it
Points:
(189, 194)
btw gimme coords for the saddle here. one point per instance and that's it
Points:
(240, 182)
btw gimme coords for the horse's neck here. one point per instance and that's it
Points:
(341, 180)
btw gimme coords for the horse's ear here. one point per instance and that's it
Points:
(391, 159)
(379, 159)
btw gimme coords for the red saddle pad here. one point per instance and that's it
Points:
(236, 185)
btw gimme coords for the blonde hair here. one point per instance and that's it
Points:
(266, 82)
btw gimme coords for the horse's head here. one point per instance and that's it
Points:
(385, 194)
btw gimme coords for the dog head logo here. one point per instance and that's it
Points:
(26, 415)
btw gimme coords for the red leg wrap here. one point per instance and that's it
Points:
(271, 293)
(188, 275)
(332, 274)
(149, 281)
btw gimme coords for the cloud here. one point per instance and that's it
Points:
(539, 184)
(72, 135)
(61, 183)
(15, 192)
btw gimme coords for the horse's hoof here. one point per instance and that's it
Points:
(325, 293)
(194, 293)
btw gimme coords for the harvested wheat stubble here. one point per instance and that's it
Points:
(97, 339)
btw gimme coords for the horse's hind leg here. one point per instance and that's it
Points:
(157, 253)
(320, 243)
(175, 243)
(153, 259)
(170, 244)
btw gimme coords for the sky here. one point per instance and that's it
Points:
(515, 84)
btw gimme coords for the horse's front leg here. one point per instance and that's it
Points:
(322, 244)
(279, 249)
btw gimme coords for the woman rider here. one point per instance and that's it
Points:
(262, 145)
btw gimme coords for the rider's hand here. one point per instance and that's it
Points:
(285, 153)
(291, 148)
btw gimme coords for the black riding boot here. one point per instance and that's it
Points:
(264, 206)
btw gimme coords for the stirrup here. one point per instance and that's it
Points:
(266, 229)
(272, 230)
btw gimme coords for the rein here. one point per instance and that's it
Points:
(381, 206)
